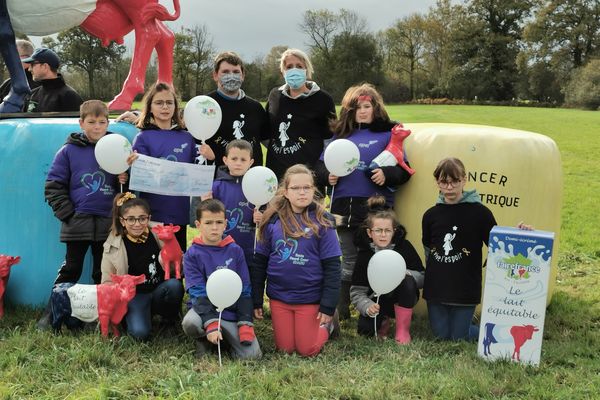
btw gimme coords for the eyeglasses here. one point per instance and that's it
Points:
(142, 219)
(449, 184)
(380, 232)
(162, 103)
(298, 189)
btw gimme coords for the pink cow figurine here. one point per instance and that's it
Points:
(5, 263)
(113, 299)
(171, 252)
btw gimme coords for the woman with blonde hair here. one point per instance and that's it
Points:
(299, 115)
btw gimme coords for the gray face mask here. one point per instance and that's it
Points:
(231, 82)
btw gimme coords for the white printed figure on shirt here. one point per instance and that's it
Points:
(448, 238)
(237, 127)
(283, 127)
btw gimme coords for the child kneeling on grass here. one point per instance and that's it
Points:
(384, 232)
(209, 252)
(298, 255)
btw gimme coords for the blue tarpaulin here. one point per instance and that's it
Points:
(29, 229)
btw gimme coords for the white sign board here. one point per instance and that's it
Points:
(84, 302)
(155, 175)
(515, 291)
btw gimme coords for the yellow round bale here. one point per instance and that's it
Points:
(518, 175)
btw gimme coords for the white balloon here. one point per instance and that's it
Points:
(386, 271)
(111, 153)
(259, 185)
(223, 288)
(341, 157)
(202, 116)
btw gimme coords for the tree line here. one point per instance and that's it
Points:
(512, 51)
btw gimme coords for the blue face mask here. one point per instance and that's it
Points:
(295, 77)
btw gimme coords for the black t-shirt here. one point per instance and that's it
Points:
(143, 259)
(241, 119)
(455, 234)
(297, 129)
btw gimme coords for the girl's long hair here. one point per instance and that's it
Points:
(346, 123)
(146, 120)
(281, 206)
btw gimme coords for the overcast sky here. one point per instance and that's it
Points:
(252, 27)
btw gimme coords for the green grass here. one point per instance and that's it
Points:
(42, 365)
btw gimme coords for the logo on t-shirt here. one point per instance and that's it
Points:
(226, 266)
(95, 182)
(283, 127)
(285, 248)
(233, 218)
(449, 256)
(237, 127)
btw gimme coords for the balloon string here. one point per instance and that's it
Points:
(121, 188)
(219, 341)
(255, 235)
(375, 317)
(331, 197)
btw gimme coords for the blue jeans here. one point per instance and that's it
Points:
(452, 322)
(165, 300)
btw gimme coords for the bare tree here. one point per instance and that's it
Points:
(320, 26)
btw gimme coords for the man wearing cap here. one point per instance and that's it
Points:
(53, 94)
(25, 49)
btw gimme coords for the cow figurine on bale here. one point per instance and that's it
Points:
(107, 303)
(171, 253)
(5, 263)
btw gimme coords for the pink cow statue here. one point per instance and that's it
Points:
(171, 253)
(113, 300)
(521, 334)
(108, 20)
(5, 263)
(72, 304)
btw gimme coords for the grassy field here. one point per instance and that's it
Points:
(42, 365)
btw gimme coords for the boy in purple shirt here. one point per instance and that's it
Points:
(241, 216)
(81, 195)
(209, 252)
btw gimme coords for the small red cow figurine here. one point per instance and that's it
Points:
(113, 300)
(5, 263)
(171, 251)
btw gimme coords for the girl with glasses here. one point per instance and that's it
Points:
(298, 255)
(454, 232)
(163, 135)
(364, 121)
(132, 248)
(382, 231)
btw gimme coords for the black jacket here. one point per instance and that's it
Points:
(53, 95)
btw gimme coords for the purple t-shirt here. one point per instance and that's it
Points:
(91, 189)
(201, 260)
(294, 270)
(173, 145)
(238, 213)
(359, 183)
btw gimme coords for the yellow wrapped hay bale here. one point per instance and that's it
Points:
(518, 175)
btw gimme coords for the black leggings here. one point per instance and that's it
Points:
(72, 267)
(405, 295)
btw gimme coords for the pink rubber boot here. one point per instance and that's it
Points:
(403, 317)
